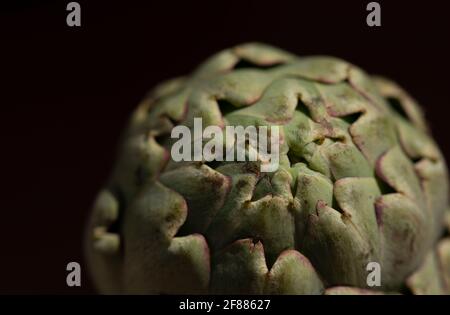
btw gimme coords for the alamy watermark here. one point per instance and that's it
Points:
(374, 17)
(374, 277)
(73, 278)
(232, 143)
(74, 17)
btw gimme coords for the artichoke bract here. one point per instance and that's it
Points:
(360, 181)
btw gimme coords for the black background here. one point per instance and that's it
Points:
(66, 94)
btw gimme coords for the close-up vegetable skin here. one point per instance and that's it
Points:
(360, 181)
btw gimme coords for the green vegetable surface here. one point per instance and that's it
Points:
(360, 180)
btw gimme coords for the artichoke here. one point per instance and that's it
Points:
(360, 181)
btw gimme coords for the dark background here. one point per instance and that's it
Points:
(66, 94)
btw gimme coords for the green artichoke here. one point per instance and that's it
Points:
(360, 180)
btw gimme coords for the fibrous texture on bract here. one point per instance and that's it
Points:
(360, 181)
